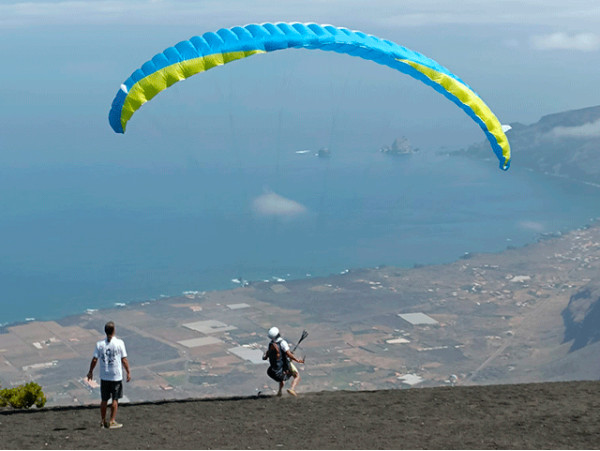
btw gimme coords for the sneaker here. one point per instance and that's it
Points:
(114, 425)
(104, 424)
(292, 392)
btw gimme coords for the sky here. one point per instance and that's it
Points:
(63, 62)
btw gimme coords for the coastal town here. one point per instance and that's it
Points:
(483, 319)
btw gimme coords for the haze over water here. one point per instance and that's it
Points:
(87, 237)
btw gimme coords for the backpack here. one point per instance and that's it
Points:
(279, 365)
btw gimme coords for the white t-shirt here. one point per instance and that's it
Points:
(109, 355)
(284, 344)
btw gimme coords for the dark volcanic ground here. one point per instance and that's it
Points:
(563, 415)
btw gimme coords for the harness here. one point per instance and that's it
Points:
(279, 365)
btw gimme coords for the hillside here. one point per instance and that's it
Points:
(582, 317)
(535, 416)
(521, 316)
(565, 144)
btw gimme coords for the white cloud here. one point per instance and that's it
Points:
(476, 12)
(351, 13)
(209, 14)
(585, 42)
(272, 204)
(589, 130)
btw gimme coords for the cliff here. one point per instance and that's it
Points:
(565, 144)
(582, 317)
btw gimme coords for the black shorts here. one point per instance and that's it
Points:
(111, 389)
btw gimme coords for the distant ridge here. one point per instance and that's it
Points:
(565, 144)
(582, 317)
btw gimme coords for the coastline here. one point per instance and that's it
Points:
(491, 319)
(406, 236)
(594, 222)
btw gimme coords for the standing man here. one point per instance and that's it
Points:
(112, 354)
(280, 358)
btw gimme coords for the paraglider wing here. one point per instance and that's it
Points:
(201, 53)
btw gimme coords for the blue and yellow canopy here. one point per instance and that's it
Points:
(201, 53)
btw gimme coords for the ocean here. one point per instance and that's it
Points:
(87, 237)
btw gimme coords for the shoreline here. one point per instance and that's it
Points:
(55, 297)
(214, 281)
(485, 318)
(541, 236)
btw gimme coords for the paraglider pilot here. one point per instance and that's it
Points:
(280, 358)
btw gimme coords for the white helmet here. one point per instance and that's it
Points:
(273, 332)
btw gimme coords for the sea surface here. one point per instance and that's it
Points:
(87, 237)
